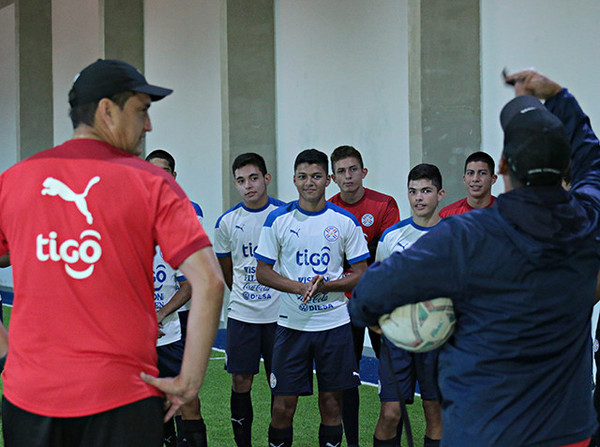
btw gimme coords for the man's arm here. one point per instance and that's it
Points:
(182, 296)
(585, 155)
(270, 278)
(227, 268)
(345, 283)
(406, 277)
(204, 275)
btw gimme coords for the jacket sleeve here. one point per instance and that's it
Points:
(428, 269)
(585, 155)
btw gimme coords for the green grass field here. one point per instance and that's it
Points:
(214, 397)
(215, 394)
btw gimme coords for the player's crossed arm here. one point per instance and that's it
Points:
(270, 278)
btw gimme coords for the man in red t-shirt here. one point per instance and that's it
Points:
(82, 220)
(375, 212)
(478, 177)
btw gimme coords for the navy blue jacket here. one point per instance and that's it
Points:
(522, 276)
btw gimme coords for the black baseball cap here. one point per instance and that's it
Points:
(536, 143)
(107, 77)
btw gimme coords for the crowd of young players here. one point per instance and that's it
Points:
(291, 267)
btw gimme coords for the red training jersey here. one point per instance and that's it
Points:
(460, 207)
(375, 211)
(81, 222)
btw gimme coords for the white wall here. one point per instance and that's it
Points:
(556, 37)
(342, 78)
(76, 43)
(183, 53)
(8, 92)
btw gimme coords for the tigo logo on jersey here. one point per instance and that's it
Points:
(160, 276)
(79, 256)
(318, 261)
(332, 234)
(85, 252)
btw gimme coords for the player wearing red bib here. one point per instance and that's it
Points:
(479, 177)
(376, 212)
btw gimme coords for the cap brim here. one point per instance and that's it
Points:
(517, 105)
(156, 93)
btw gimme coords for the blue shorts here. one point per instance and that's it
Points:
(169, 359)
(295, 352)
(245, 343)
(408, 368)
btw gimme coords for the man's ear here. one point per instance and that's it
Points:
(104, 110)
(267, 179)
(365, 171)
(503, 166)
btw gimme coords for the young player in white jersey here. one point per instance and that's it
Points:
(424, 194)
(309, 238)
(164, 160)
(253, 308)
(171, 292)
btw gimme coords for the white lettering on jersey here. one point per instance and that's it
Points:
(70, 251)
(54, 187)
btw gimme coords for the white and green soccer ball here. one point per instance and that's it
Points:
(420, 327)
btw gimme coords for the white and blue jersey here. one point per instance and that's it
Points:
(166, 284)
(399, 237)
(308, 244)
(200, 216)
(236, 235)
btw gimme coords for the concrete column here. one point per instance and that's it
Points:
(124, 31)
(35, 127)
(445, 86)
(248, 87)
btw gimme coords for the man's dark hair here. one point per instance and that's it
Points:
(312, 157)
(249, 158)
(428, 172)
(342, 152)
(164, 155)
(84, 114)
(483, 157)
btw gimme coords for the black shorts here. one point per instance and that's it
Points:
(135, 425)
(407, 369)
(246, 343)
(329, 351)
(169, 359)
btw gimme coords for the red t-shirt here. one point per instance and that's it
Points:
(459, 207)
(81, 222)
(375, 211)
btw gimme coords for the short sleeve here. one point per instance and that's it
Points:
(268, 245)
(356, 246)
(222, 242)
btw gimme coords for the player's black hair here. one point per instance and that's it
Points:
(85, 113)
(342, 152)
(164, 155)
(481, 156)
(249, 158)
(428, 172)
(312, 157)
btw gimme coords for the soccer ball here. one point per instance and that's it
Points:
(421, 326)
